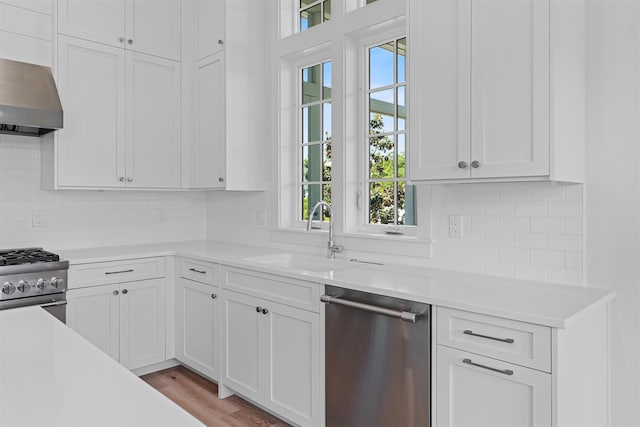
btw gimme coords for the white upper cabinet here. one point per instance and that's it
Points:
(491, 92)
(209, 27)
(147, 26)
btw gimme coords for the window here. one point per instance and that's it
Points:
(390, 199)
(315, 138)
(314, 12)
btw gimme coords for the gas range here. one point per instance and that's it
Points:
(32, 276)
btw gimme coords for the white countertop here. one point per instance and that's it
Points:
(536, 302)
(45, 365)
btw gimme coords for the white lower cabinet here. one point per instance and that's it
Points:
(477, 391)
(272, 355)
(125, 320)
(197, 326)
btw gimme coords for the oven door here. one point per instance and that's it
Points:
(57, 309)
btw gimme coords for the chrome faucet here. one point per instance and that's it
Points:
(332, 248)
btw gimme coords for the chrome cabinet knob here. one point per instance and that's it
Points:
(220, 179)
(214, 296)
(24, 286)
(124, 291)
(130, 41)
(121, 39)
(8, 288)
(462, 164)
(475, 164)
(121, 179)
(265, 311)
(116, 292)
(258, 309)
(129, 179)
(220, 42)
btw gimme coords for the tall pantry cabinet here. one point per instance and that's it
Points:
(119, 76)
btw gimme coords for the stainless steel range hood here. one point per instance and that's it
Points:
(29, 101)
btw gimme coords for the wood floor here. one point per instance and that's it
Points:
(199, 397)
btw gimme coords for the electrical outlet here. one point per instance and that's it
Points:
(455, 226)
(261, 217)
(37, 219)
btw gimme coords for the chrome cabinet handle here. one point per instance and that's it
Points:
(475, 164)
(473, 334)
(265, 311)
(124, 291)
(501, 371)
(197, 271)
(214, 296)
(258, 309)
(119, 272)
(462, 164)
(116, 292)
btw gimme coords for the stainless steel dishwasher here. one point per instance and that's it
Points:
(378, 358)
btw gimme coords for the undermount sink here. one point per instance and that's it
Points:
(305, 263)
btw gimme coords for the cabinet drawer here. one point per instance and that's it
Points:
(516, 342)
(200, 271)
(297, 293)
(84, 275)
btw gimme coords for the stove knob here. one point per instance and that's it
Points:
(24, 286)
(56, 283)
(40, 284)
(8, 288)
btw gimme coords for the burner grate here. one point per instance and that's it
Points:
(26, 256)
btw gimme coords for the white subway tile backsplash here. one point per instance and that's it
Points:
(529, 231)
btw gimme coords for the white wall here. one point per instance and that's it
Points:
(612, 188)
(77, 219)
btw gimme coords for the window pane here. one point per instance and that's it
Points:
(381, 203)
(381, 65)
(311, 84)
(311, 17)
(402, 53)
(313, 162)
(326, 162)
(381, 111)
(312, 123)
(305, 163)
(326, 196)
(326, 121)
(402, 109)
(305, 3)
(326, 80)
(381, 157)
(327, 10)
(402, 153)
(310, 196)
(406, 204)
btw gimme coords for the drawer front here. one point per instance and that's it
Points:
(102, 273)
(199, 271)
(515, 342)
(297, 293)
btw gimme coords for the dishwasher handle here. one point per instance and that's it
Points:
(407, 316)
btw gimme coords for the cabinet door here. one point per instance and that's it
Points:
(153, 122)
(94, 313)
(510, 88)
(92, 87)
(292, 355)
(243, 341)
(439, 100)
(100, 21)
(142, 323)
(209, 30)
(197, 326)
(210, 153)
(476, 396)
(154, 27)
